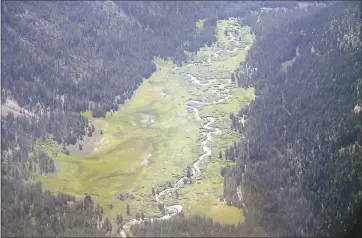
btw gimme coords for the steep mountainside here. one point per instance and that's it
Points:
(62, 55)
(302, 151)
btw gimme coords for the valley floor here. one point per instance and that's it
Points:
(166, 126)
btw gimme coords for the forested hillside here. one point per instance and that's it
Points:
(298, 165)
(62, 55)
(27, 210)
(302, 151)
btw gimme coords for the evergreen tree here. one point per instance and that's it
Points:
(128, 209)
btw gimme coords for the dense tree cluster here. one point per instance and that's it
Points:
(62, 55)
(27, 210)
(63, 127)
(22, 158)
(195, 226)
(303, 136)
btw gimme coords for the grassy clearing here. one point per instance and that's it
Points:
(303, 4)
(289, 63)
(48, 147)
(266, 9)
(222, 26)
(229, 62)
(200, 24)
(207, 201)
(228, 66)
(89, 143)
(240, 98)
(153, 122)
(152, 137)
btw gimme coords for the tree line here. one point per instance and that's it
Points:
(303, 135)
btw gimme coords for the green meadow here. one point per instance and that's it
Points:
(154, 136)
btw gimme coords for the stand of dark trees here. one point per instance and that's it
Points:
(27, 210)
(303, 133)
(180, 226)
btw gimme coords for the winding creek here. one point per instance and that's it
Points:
(223, 95)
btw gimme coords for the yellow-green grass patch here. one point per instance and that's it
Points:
(154, 117)
(155, 126)
(208, 201)
(303, 4)
(289, 63)
(200, 24)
